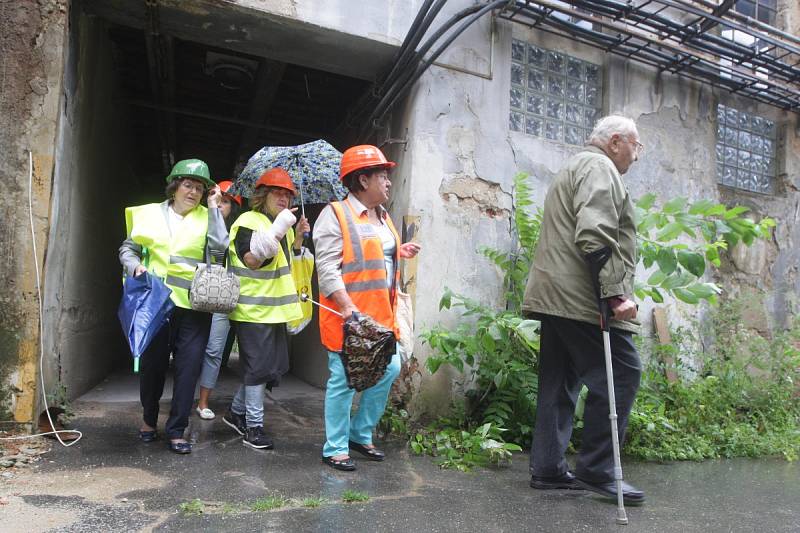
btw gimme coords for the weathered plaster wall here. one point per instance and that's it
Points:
(93, 183)
(456, 174)
(31, 47)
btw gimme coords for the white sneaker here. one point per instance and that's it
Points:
(205, 414)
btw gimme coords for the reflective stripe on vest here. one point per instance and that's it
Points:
(363, 274)
(266, 295)
(172, 257)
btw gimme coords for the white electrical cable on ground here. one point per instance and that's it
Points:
(41, 325)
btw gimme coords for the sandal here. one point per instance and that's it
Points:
(205, 414)
(148, 436)
(341, 464)
(373, 454)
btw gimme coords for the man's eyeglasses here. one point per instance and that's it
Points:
(638, 146)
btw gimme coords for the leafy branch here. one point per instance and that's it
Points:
(683, 239)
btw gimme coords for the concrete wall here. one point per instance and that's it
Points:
(455, 172)
(456, 175)
(32, 40)
(93, 183)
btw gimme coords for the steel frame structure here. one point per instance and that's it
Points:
(681, 37)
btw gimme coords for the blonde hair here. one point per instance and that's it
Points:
(258, 202)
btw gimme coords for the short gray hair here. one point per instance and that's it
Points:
(608, 126)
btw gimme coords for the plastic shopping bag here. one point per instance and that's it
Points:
(302, 270)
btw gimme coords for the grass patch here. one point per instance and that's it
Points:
(193, 507)
(313, 502)
(228, 508)
(269, 503)
(352, 496)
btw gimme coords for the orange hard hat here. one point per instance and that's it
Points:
(362, 156)
(225, 187)
(277, 177)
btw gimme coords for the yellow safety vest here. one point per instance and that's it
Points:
(266, 295)
(173, 258)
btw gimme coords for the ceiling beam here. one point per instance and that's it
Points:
(221, 118)
(268, 79)
(160, 66)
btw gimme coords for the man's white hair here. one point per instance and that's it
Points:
(608, 126)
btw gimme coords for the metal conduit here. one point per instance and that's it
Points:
(648, 36)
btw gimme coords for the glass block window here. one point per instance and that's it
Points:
(553, 95)
(745, 150)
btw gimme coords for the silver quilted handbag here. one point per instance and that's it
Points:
(215, 289)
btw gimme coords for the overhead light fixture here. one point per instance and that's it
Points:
(231, 72)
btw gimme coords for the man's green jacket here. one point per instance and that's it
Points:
(587, 208)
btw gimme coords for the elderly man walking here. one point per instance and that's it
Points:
(588, 218)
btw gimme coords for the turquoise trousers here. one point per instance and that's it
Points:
(339, 428)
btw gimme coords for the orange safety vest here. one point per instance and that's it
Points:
(364, 275)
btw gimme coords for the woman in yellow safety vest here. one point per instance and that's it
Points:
(261, 256)
(168, 240)
(357, 252)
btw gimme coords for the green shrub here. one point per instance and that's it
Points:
(742, 401)
(461, 449)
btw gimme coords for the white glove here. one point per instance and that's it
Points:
(283, 222)
(265, 244)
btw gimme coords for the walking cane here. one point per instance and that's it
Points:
(596, 260)
(622, 517)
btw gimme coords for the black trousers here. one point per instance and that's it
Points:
(571, 354)
(185, 335)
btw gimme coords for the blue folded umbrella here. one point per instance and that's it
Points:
(143, 311)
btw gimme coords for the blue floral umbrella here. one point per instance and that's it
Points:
(314, 168)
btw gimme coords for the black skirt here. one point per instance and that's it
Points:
(263, 352)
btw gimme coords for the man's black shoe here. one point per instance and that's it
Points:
(564, 481)
(630, 494)
(236, 422)
(255, 438)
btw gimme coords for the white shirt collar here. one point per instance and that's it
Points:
(361, 208)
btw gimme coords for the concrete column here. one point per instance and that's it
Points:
(32, 35)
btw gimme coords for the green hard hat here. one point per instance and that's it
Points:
(191, 168)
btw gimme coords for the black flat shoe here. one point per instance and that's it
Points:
(347, 465)
(148, 436)
(373, 454)
(630, 494)
(180, 447)
(564, 481)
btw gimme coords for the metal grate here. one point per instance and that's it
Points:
(679, 36)
(553, 95)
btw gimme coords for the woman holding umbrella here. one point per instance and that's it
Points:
(261, 240)
(220, 340)
(168, 240)
(357, 253)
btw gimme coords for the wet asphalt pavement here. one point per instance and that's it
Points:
(112, 482)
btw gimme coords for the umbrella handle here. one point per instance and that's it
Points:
(303, 209)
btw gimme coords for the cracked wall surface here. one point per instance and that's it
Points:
(31, 43)
(457, 169)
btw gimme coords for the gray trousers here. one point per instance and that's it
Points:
(571, 354)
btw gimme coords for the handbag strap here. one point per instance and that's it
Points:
(225, 259)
